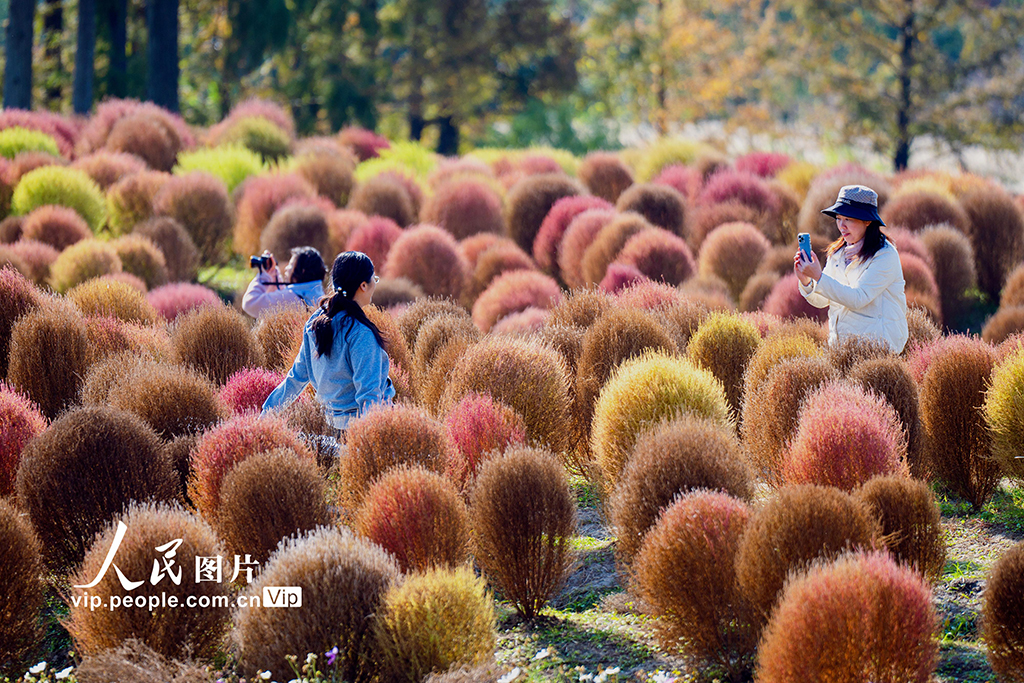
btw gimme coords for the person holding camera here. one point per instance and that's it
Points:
(862, 282)
(343, 355)
(302, 283)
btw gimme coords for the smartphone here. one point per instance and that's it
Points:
(804, 240)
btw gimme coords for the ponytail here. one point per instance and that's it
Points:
(350, 270)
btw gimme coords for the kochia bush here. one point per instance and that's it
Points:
(605, 175)
(529, 202)
(661, 205)
(428, 256)
(478, 427)
(21, 422)
(101, 297)
(733, 252)
(659, 255)
(48, 338)
(200, 203)
(724, 344)
(175, 401)
(512, 292)
(62, 186)
(1004, 414)
(1002, 628)
(465, 206)
(579, 235)
(552, 230)
(58, 226)
(247, 389)
(215, 340)
(21, 588)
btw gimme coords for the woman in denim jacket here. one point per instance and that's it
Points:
(343, 354)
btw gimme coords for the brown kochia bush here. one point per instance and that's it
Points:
(417, 516)
(267, 497)
(279, 333)
(384, 195)
(434, 335)
(200, 203)
(799, 525)
(997, 234)
(523, 517)
(529, 201)
(215, 340)
(90, 465)
(685, 572)
(173, 400)
(420, 312)
(955, 272)
(733, 252)
(17, 297)
(607, 244)
(910, 521)
(180, 252)
(661, 205)
(1000, 618)
(136, 662)
(605, 175)
(891, 378)
(21, 589)
(675, 457)
(49, 353)
(952, 396)
(343, 579)
(172, 631)
(429, 256)
(296, 225)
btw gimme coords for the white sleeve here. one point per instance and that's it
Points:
(883, 269)
(257, 300)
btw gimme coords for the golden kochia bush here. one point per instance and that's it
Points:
(83, 260)
(100, 297)
(608, 243)
(1002, 626)
(859, 618)
(523, 517)
(723, 345)
(344, 580)
(170, 631)
(215, 340)
(420, 312)
(278, 332)
(90, 465)
(685, 572)
(773, 350)
(135, 662)
(1004, 414)
(435, 620)
(21, 588)
(675, 457)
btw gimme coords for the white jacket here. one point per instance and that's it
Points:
(865, 298)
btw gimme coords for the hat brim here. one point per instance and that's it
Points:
(858, 210)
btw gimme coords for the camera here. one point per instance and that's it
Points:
(261, 262)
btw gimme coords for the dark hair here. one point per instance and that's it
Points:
(309, 265)
(350, 270)
(874, 239)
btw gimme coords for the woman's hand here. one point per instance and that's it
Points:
(806, 270)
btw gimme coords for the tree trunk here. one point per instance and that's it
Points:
(117, 75)
(448, 139)
(18, 73)
(85, 57)
(903, 137)
(660, 116)
(53, 28)
(162, 24)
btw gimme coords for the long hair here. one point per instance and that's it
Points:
(350, 270)
(308, 265)
(874, 239)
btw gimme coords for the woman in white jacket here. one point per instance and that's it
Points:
(862, 282)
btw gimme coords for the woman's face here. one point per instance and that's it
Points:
(852, 229)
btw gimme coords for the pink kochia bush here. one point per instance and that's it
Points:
(513, 292)
(246, 390)
(172, 300)
(430, 257)
(660, 255)
(20, 421)
(787, 302)
(479, 426)
(860, 618)
(375, 239)
(545, 245)
(844, 437)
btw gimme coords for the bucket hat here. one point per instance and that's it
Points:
(856, 201)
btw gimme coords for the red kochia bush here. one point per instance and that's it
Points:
(788, 303)
(428, 256)
(844, 437)
(228, 444)
(660, 255)
(605, 175)
(513, 292)
(620, 276)
(216, 341)
(21, 589)
(20, 421)
(246, 390)
(365, 143)
(530, 200)
(177, 298)
(479, 426)
(1000, 618)
(733, 252)
(687, 181)
(685, 572)
(465, 206)
(523, 519)
(763, 164)
(260, 197)
(745, 188)
(661, 205)
(552, 230)
(860, 618)
(49, 354)
(58, 226)
(375, 239)
(417, 516)
(578, 236)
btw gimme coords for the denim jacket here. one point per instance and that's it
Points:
(348, 382)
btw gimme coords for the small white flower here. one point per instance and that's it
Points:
(510, 676)
(586, 678)
(310, 658)
(600, 678)
(64, 673)
(542, 654)
(265, 675)
(613, 671)
(38, 668)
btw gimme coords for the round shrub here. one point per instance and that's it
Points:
(11, 227)
(16, 139)
(418, 517)
(107, 168)
(268, 497)
(329, 174)
(723, 345)
(22, 164)
(130, 200)
(145, 137)
(396, 293)
(142, 258)
(786, 302)
(178, 298)
(344, 579)
(552, 230)
(1000, 617)
(1004, 414)
(996, 232)
(180, 253)
(1006, 322)
(706, 218)
(261, 196)
(278, 332)
(890, 378)
(756, 292)
(643, 390)
(216, 341)
(605, 175)
(375, 239)
(259, 135)
(917, 209)
(386, 196)
(740, 186)
(763, 164)
(83, 261)
(21, 588)
(89, 466)
(21, 422)
(230, 163)
(910, 521)
(523, 519)
(607, 244)
(57, 226)
(772, 351)
(678, 456)
(952, 410)
(580, 308)
(579, 235)
(17, 297)
(684, 571)
(501, 258)
(428, 256)
(527, 377)
(419, 313)
(365, 143)
(687, 181)
(171, 631)
(247, 390)
(659, 255)
(733, 252)
(103, 297)
(295, 225)
(660, 205)
(799, 525)
(220, 449)
(61, 186)
(844, 437)
(61, 130)
(860, 618)
(434, 621)
(530, 200)
(954, 271)
(465, 206)
(666, 152)
(173, 400)
(512, 292)
(620, 276)
(478, 427)
(49, 353)
(268, 110)
(200, 203)
(434, 335)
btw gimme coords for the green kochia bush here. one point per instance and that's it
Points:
(230, 163)
(1004, 413)
(17, 139)
(62, 186)
(723, 344)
